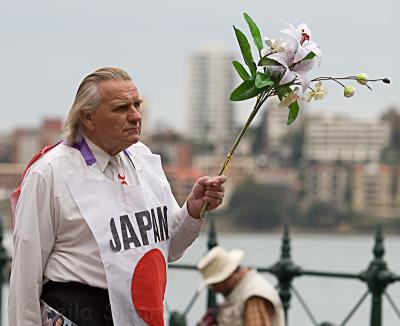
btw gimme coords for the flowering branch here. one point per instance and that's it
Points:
(260, 101)
(384, 80)
(281, 71)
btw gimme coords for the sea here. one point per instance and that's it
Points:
(328, 299)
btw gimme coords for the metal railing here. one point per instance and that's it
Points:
(376, 276)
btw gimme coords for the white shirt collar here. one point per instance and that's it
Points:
(102, 157)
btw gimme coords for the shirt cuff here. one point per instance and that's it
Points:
(189, 222)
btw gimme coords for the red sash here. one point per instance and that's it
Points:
(15, 194)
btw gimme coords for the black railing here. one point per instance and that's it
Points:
(376, 276)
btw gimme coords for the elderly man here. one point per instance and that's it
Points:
(96, 221)
(249, 299)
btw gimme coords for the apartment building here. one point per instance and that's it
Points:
(210, 80)
(345, 139)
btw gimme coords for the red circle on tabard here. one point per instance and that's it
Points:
(148, 287)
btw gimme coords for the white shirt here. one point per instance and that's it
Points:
(51, 238)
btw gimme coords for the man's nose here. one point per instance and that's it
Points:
(134, 114)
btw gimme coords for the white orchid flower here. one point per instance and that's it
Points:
(274, 46)
(295, 48)
(289, 98)
(294, 69)
(318, 93)
(297, 32)
(302, 34)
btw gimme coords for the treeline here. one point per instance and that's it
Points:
(259, 206)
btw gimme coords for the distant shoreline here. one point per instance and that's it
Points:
(224, 229)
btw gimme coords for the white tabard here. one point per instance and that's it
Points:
(132, 227)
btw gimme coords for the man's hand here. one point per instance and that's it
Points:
(206, 190)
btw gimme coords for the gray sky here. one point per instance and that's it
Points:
(48, 46)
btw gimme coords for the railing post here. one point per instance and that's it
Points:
(376, 287)
(212, 242)
(285, 270)
(177, 319)
(377, 276)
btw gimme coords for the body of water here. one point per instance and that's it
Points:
(329, 299)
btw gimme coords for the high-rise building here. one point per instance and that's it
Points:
(327, 183)
(376, 190)
(210, 81)
(345, 139)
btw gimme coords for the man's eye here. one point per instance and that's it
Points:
(122, 107)
(137, 105)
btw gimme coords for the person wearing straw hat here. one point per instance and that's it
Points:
(249, 298)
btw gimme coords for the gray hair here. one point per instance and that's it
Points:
(88, 98)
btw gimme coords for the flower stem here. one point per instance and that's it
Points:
(333, 79)
(260, 100)
(385, 80)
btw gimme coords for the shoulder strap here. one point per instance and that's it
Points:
(15, 194)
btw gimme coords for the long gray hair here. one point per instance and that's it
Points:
(88, 98)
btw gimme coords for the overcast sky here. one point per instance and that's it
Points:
(48, 46)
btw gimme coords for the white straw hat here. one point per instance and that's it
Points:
(218, 264)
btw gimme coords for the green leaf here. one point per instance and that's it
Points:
(263, 80)
(293, 112)
(246, 50)
(281, 91)
(241, 70)
(246, 90)
(255, 32)
(309, 56)
(265, 61)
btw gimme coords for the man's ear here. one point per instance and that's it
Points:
(87, 119)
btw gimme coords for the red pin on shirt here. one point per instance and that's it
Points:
(122, 178)
(148, 287)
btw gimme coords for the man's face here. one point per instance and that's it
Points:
(116, 123)
(222, 287)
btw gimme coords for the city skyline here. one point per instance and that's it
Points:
(335, 153)
(49, 47)
(210, 113)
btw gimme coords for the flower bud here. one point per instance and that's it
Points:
(362, 79)
(349, 91)
(289, 98)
